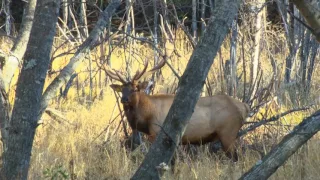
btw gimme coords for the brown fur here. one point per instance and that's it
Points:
(219, 117)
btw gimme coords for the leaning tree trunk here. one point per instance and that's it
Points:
(4, 115)
(20, 45)
(25, 112)
(88, 44)
(288, 146)
(188, 93)
(310, 10)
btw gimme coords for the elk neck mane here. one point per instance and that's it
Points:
(141, 109)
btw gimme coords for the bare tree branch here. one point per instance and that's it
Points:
(20, 45)
(272, 119)
(188, 93)
(288, 146)
(310, 9)
(89, 43)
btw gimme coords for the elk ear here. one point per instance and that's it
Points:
(142, 86)
(116, 87)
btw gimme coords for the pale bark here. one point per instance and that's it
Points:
(256, 51)
(310, 10)
(155, 32)
(65, 14)
(188, 93)
(30, 84)
(83, 19)
(232, 84)
(20, 44)
(89, 43)
(4, 115)
(287, 147)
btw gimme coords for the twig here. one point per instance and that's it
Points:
(56, 115)
(106, 128)
(122, 117)
(274, 118)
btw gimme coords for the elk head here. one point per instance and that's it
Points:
(131, 85)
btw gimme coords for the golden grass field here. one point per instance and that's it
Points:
(89, 145)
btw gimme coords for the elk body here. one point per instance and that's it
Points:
(218, 117)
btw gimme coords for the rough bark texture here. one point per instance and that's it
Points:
(83, 19)
(290, 31)
(310, 10)
(89, 43)
(256, 51)
(232, 84)
(20, 45)
(194, 20)
(65, 14)
(29, 90)
(4, 115)
(7, 12)
(311, 67)
(188, 93)
(289, 145)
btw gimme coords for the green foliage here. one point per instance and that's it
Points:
(56, 172)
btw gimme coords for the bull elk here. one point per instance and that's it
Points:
(218, 117)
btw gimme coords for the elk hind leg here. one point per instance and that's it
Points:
(228, 145)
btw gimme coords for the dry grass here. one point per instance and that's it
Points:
(84, 148)
(76, 148)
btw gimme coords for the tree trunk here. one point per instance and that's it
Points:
(212, 6)
(4, 115)
(20, 45)
(310, 10)
(314, 52)
(290, 38)
(194, 20)
(65, 14)
(203, 12)
(288, 146)
(188, 93)
(304, 56)
(232, 85)
(256, 51)
(83, 19)
(7, 11)
(89, 43)
(29, 90)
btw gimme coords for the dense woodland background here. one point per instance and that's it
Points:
(269, 59)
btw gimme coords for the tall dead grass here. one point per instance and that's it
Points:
(89, 144)
(75, 147)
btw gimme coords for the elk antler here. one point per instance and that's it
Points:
(116, 76)
(138, 74)
(142, 74)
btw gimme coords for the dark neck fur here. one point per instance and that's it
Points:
(138, 112)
